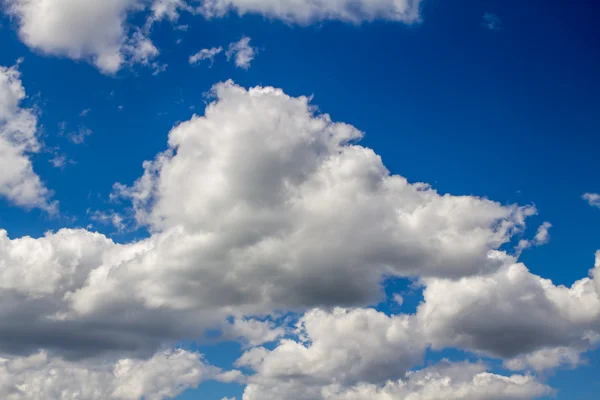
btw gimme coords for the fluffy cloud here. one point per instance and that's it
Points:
(241, 52)
(275, 205)
(98, 30)
(93, 30)
(513, 314)
(447, 382)
(163, 376)
(18, 139)
(342, 347)
(262, 205)
(308, 11)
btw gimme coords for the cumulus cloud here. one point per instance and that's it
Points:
(163, 376)
(513, 314)
(263, 206)
(593, 199)
(82, 30)
(206, 54)
(241, 52)
(343, 347)
(309, 11)
(18, 140)
(98, 31)
(447, 381)
(541, 238)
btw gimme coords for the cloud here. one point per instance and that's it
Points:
(241, 52)
(206, 54)
(94, 30)
(279, 208)
(593, 199)
(19, 183)
(462, 381)
(345, 347)
(310, 11)
(163, 376)
(263, 206)
(541, 238)
(492, 22)
(169, 9)
(79, 136)
(100, 32)
(445, 381)
(513, 314)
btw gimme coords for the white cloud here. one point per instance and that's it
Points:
(241, 52)
(513, 314)
(164, 376)
(343, 346)
(206, 54)
(447, 382)
(541, 238)
(169, 9)
(263, 206)
(94, 30)
(18, 140)
(593, 199)
(309, 11)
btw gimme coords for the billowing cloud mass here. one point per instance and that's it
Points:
(263, 206)
(165, 375)
(513, 313)
(18, 140)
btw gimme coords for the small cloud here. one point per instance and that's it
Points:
(58, 161)
(108, 218)
(79, 136)
(158, 68)
(492, 22)
(593, 199)
(242, 52)
(183, 28)
(541, 238)
(85, 112)
(120, 108)
(398, 299)
(206, 54)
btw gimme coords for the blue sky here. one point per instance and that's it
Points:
(493, 99)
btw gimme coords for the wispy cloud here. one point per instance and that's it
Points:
(492, 22)
(206, 54)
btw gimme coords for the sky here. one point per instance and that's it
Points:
(299, 200)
